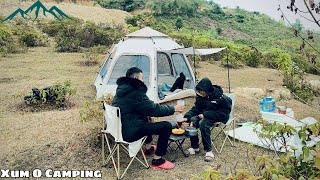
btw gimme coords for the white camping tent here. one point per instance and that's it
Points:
(160, 58)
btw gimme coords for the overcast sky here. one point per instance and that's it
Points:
(270, 7)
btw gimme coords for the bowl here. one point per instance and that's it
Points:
(191, 131)
(178, 131)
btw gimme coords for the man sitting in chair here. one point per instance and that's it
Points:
(211, 106)
(135, 109)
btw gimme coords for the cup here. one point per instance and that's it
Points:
(179, 118)
(180, 102)
(282, 109)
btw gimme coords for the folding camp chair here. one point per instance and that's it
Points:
(112, 121)
(222, 127)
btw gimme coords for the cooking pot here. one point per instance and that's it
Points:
(191, 131)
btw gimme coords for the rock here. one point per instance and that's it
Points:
(258, 93)
(315, 84)
(280, 93)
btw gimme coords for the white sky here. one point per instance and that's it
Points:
(270, 7)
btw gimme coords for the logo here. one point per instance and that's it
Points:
(49, 173)
(37, 6)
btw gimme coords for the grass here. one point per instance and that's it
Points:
(58, 140)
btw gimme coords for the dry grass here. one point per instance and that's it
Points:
(57, 139)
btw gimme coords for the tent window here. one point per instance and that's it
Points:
(104, 68)
(164, 64)
(181, 65)
(127, 61)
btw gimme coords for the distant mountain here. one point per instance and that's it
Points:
(54, 11)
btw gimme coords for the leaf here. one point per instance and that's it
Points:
(306, 152)
(317, 163)
(315, 130)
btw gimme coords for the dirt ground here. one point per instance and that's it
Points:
(58, 140)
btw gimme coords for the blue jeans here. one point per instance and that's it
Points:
(205, 126)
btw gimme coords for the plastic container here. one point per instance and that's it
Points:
(261, 104)
(267, 104)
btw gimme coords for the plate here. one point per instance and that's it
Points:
(178, 131)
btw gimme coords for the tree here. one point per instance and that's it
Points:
(179, 23)
(312, 8)
(216, 9)
(297, 25)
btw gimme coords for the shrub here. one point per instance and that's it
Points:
(93, 110)
(302, 163)
(32, 38)
(251, 56)
(57, 95)
(52, 28)
(73, 35)
(216, 9)
(68, 39)
(279, 59)
(219, 30)
(126, 5)
(8, 43)
(179, 23)
(91, 56)
(297, 85)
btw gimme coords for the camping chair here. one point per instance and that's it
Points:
(222, 127)
(112, 121)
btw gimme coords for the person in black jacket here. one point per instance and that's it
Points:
(136, 108)
(211, 106)
(178, 84)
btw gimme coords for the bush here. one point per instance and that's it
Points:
(52, 28)
(57, 95)
(68, 39)
(74, 35)
(91, 55)
(8, 43)
(32, 38)
(126, 5)
(279, 59)
(219, 30)
(302, 163)
(251, 56)
(93, 110)
(216, 9)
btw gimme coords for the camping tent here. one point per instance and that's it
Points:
(160, 58)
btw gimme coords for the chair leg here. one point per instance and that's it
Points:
(111, 154)
(145, 159)
(118, 155)
(224, 141)
(102, 149)
(233, 130)
(135, 157)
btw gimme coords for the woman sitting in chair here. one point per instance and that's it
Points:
(210, 107)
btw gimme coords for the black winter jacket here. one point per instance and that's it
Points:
(135, 106)
(215, 107)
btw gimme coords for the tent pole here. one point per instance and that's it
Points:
(194, 65)
(228, 70)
